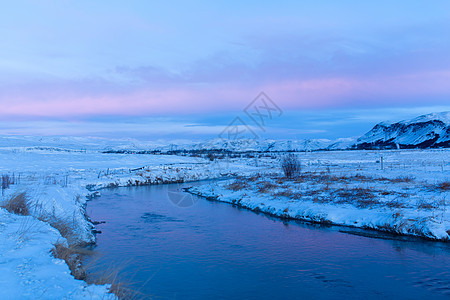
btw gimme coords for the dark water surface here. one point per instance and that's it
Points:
(213, 250)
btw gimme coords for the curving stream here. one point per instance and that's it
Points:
(209, 250)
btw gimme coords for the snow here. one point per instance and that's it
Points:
(441, 116)
(60, 174)
(27, 268)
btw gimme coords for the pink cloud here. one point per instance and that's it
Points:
(188, 99)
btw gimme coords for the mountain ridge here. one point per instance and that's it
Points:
(425, 131)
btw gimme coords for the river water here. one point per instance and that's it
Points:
(171, 247)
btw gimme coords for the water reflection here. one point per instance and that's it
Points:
(214, 250)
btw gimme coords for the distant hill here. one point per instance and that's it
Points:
(426, 131)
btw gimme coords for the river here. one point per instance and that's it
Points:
(172, 247)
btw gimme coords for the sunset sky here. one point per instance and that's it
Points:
(179, 69)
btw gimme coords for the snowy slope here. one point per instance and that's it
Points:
(427, 131)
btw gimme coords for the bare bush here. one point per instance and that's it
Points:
(17, 204)
(6, 181)
(291, 166)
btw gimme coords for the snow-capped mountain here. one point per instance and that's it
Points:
(240, 146)
(262, 145)
(426, 131)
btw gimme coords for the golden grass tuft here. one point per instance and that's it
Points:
(72, 255)
(17, 204)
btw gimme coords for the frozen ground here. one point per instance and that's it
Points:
(58, 176)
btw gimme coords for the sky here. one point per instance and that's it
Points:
(171, 69)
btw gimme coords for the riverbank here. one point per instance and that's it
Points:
(56, 184)
(414, 204)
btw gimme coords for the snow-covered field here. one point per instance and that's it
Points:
(405, 192)
(59, 176)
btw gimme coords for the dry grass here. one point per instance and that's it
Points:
(444, 186)
(426, 205)
(17, 204)
(65, 226)
(402, 179)
(111, 275)
(367, 202)
(238, 184)
(265, 187)
(254, 178)
(431, 203)
(284, 193)
(72, 255)
(323, 187)
(287, 193)
(362, 178)
(395, 204)
(321, 199)
(360, 197)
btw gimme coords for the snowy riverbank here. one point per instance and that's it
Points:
(57, 182)
(408, 194)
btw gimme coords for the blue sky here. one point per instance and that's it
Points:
(176, 69)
